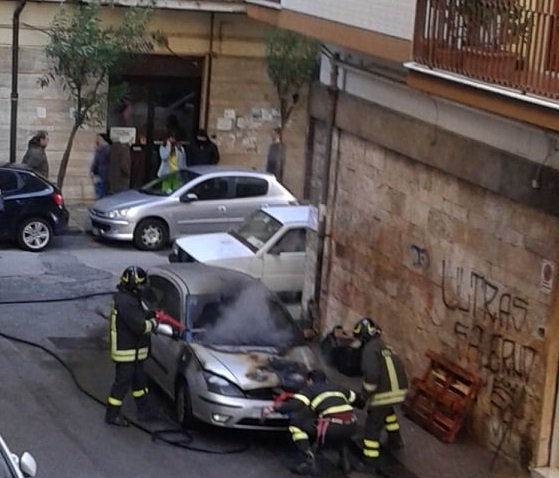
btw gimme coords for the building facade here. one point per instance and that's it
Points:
(212, 75)
(440, 159)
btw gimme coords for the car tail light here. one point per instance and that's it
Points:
(57, 198)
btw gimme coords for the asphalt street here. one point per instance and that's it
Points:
(41, 409)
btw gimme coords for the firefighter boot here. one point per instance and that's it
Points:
(395, 441)
(306, 465)
(114, 417)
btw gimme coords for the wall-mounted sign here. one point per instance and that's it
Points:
(123, 134)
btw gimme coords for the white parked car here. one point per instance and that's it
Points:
(13, 466)
(269, 245)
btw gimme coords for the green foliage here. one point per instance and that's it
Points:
(83, 51)
(291, 60)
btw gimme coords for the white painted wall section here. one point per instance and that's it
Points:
(391, 17)
(512, 136)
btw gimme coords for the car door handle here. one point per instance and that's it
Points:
(221, 208)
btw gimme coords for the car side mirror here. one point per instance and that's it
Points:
(275, 251)
(27, 464)
(189, 197)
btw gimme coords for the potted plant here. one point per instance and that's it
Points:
(494, 36)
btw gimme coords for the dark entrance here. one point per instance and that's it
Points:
(163, 94)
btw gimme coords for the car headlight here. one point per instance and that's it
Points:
(116, 213)
(217, 384)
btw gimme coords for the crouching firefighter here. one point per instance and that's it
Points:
(130, 327)
(384, 386)
(320, 412)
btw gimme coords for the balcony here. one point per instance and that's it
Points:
(506, 43)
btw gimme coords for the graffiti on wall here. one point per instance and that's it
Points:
(491, 328)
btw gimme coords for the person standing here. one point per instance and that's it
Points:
(203, 150)
(36, 157)
(100, 164)
(384, 386)
(118, 174)
(173, 156)
(276, 155)
(130, 328)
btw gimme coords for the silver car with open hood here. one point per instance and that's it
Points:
(240, 348)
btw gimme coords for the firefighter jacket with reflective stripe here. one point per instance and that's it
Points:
(384, 376)
(129, 329)
(322, 399)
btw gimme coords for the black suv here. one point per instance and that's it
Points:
(31, 208)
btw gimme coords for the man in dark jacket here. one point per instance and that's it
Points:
(322, 412)
(202, 150)
(130, 327)
(118, 177)
(100, 164)
(35, 157)
(276, 156)
(384, 386)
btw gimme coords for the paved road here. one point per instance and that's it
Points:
(41, 410)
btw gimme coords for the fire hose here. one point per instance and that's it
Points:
(185, 442)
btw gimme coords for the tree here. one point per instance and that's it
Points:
(291, 60)
(82, 53)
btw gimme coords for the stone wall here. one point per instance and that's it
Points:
(444, 265)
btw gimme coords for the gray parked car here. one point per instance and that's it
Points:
(240, 347)
(197, 200)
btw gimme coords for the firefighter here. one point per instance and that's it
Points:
(320, 412)
(130, 327)
(384, 386)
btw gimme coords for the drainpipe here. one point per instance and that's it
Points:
(209, 72)
(324, 192)
(15, 71)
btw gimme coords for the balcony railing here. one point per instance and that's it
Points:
(510, 43)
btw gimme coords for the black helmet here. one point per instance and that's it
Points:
(132, 277)
(366, 329)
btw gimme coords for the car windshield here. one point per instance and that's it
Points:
(256, 230)
(167, 185)
(242, 315)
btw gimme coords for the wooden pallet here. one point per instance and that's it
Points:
(441, 399)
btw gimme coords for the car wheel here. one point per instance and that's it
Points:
(151, 235)
(183, 404)
(34, 234)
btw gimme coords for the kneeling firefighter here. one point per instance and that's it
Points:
(322, 412)
(130, 327)
(384, 386)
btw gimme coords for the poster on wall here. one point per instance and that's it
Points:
(547, 276)
(126, 135)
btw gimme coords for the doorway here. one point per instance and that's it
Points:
(163, 95)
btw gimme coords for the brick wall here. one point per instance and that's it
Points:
(383, 16)
(444, 265)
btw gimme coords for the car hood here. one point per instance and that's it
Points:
(213, 247)
(250, 369)
(126, 199)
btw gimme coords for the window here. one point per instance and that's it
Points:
(8, 182)
(163, 295)
(256, 230)
(31, 184)
(292, 241)
(215, 188)
(247, 187)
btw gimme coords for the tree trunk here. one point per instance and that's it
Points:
(66, 156)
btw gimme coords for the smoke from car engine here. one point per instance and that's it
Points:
(252, 317)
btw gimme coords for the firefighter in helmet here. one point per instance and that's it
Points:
(384, 386)
(321, 411)
(130, 327)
